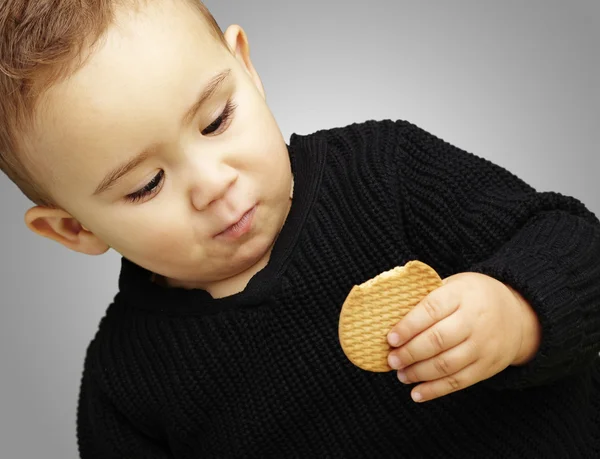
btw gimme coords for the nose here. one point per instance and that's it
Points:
(210, 182)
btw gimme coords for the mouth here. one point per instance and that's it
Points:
(239, 228)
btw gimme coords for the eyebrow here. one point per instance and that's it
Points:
(112, 177)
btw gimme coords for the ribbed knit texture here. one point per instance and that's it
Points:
(173, 373)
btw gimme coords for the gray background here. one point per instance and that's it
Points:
(516, 82)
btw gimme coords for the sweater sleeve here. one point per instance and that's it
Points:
(466, 214)
(103, 432)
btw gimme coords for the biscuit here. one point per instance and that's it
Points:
(372, 308)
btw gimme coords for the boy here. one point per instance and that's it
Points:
(154, 139)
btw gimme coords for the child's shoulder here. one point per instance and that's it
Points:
(370, 139)
(365, 127)
(373, 136)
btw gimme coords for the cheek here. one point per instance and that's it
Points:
(272, 170)
(136, 236)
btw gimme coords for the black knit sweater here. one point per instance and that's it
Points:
(174, 373)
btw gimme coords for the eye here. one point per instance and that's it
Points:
(222, 119)
(150, 188)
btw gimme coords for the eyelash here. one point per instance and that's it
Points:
(152, 186)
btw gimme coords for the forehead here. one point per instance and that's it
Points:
(149, 62)
(149, 49)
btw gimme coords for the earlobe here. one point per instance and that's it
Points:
(240, 48)
(60, 226)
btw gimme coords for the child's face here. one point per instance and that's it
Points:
(130, 97)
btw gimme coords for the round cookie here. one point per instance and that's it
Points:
(375, 306)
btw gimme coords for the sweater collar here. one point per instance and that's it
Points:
(138, 291)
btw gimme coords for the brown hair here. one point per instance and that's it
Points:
(42, 43)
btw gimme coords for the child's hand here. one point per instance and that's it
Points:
(465, 331)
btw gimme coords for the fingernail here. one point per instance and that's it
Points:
(417, 397)
(402, 377)
(394, 362)
(394, 339)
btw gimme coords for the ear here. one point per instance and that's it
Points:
(60, 226)
(240, 48)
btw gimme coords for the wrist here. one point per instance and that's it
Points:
(531, 331)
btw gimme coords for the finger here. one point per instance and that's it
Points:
(431, 390)
(445, 364)
(438, 338)
(439, 304)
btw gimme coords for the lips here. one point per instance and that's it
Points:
(239, 227)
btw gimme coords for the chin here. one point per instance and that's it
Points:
(251, 256)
